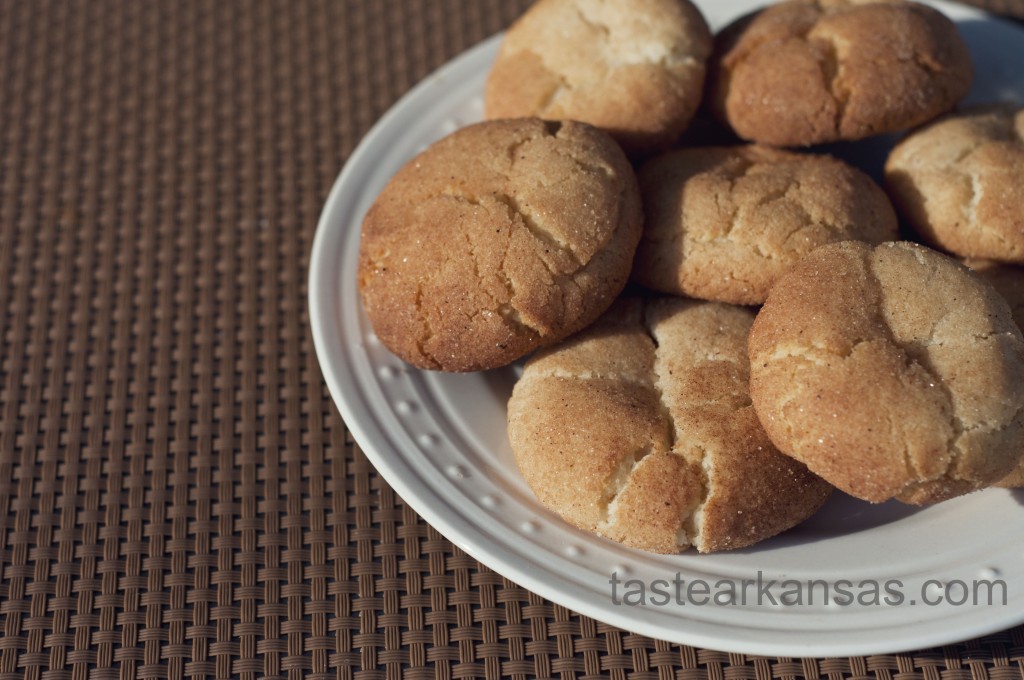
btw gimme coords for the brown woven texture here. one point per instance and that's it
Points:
(178, 496)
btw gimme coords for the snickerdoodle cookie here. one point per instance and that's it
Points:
(502, 237)
(640, 429)
(723, 223)
(959, 182)
(810, 71)
(1008, 280)
(634, 68)
(891, 371)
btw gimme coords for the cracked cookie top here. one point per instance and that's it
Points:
(634, 68)
(891, 371)
(811, 71)
(500, 238)
(675, 456)
(959, 182)
(723, 223)
(1008, 280)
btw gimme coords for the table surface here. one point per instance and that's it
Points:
(178, 496)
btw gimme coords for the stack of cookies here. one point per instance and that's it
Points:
(720, 335)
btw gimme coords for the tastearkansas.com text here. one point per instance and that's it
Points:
(809, 592)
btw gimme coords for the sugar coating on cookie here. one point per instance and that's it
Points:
(891, 371)
(1008, 280)
(959, 182)
(502, 237)
(640, 429)
(634, 68)
(812, 71)
(723, 223)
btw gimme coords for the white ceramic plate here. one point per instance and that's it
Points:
(439, 440)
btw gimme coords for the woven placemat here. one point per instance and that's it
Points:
(178, 496)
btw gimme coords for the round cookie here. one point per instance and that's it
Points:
(723, 223)
(959, 182)
(891, 371)
(634, 68)
(640, 429)
(1008, 281)
(812, 71)
(502, 237)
